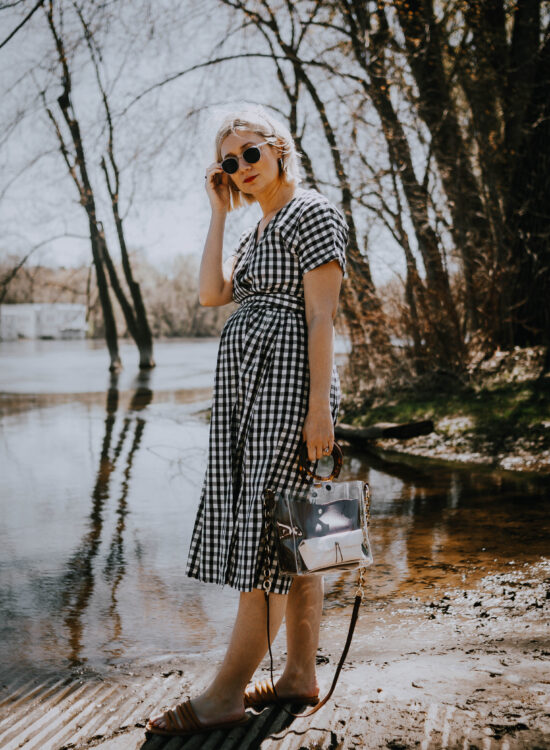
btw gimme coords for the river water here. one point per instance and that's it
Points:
(99, 483)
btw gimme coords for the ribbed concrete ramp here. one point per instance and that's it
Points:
(55, 713)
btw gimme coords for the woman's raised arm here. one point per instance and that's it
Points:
(215, 281)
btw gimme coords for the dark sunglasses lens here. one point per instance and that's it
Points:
(252, 154)
(230, 165)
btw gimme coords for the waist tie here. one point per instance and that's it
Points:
(285, 301)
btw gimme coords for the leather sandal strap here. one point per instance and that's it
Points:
(261, 691)
(264, 690)
(180, 715)
(188, 716)
(170, 720)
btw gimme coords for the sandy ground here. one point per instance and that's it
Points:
(470, 670)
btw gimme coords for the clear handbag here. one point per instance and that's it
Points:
(325, 526)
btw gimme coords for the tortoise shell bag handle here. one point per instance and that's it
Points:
(304, 464)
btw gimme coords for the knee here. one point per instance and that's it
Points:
(308, 585)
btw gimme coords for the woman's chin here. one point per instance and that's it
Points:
(250, 187)
(250, 190)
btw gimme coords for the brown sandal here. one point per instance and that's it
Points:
(261, 694)
(182, 721)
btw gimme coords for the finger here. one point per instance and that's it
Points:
(315, 452)
(212, 170)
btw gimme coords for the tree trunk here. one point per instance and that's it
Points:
(435, 106)
(449, 346)
(529, 277)
(141, 331)
(111, 337)
(79, 172)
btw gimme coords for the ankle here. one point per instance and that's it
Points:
(223, 696)
(305, 677)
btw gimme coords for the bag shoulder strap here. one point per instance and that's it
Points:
(353, 621)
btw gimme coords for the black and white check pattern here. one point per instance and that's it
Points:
(261, 390)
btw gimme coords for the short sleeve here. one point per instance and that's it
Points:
(323, 236)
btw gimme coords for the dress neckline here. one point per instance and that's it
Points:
(257, 239)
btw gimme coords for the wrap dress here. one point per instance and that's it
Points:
(261, 390)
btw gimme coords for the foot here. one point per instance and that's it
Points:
(207, 710)
(261, 694)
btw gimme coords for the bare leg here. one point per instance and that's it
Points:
(303, 621)
(223, 699)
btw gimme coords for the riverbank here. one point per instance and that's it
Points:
(498, 415)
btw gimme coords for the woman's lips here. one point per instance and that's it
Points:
(249, 179)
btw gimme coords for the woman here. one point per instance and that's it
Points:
(276, 384)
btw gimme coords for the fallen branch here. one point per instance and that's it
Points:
(384, 430)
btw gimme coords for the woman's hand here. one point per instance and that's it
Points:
(217, 188)
(318, 432)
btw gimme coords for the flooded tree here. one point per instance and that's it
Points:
(75, 159)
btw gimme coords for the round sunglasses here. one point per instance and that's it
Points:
(251, 155)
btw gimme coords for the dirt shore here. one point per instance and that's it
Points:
(449, 443)
(496, 414)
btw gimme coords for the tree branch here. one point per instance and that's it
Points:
(23, 22)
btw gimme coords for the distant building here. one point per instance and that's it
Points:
(42, 321)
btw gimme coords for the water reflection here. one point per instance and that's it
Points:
(78, 582)
(441, 525)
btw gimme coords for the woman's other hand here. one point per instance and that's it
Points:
(217, 188)
(318, 432)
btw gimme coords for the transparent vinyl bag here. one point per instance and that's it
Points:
(322, 528)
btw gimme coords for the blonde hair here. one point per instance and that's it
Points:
(259, 121)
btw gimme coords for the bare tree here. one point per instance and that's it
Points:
(361, 305)
(487, 64)
(134, 311)
(78, 169)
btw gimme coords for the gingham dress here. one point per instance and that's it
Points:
(261, 391)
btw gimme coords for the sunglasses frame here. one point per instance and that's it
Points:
(237, 158)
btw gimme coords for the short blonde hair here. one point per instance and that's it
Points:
(259, 121)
